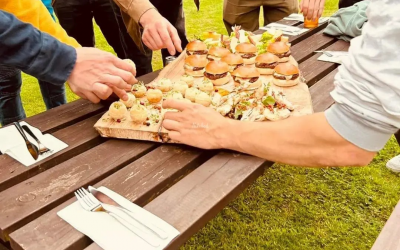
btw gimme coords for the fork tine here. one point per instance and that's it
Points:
(84, 197)
(91, 197)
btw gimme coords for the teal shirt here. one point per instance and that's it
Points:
(47, 3)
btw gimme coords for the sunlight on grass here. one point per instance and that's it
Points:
(288, 207)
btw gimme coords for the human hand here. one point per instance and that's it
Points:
(312, 9)
(194, 124)
(97, 74)
(159, 33)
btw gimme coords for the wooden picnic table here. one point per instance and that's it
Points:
(182, 185)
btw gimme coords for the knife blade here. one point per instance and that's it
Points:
(109, 201)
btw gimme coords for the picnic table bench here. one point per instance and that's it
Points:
(182, 185)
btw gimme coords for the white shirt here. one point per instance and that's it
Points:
(367, 86)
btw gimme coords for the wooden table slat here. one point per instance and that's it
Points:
(304, 50)
(389, 238)
(140, 182)
(39, 194)
(320, 92)
(79, 137)
(314, 70)
(193, 201)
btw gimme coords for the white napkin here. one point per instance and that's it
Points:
(286, 29)
(300, 18)
(337, 57)
(107, 232)
(13, 144)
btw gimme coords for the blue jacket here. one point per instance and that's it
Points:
(36, 53)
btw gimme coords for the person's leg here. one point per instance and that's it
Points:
(76, 17)
(53, 95)
(11, 109)
(276, 10)
(105, 17)
(178, 20)
(142, 61)
(245, 13)
(394, 163)
(397, 135)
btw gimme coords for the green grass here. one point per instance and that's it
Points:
(288, 207)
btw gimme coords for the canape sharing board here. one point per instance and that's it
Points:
(298, 95)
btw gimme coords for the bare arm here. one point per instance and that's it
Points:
(304, 141)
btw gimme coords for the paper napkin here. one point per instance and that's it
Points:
(286, 29)
(300, 18)
(107, 232)
(13, 144)
(337, 57)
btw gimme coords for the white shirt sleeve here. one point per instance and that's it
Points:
(367, 86)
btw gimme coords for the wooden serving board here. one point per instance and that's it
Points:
(299, 95)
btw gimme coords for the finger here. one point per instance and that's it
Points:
(126, 76)
(310, 11)
(121, 93)
(156, 38)
(102, 91)
(176, 104)
(304, 7)
(114, 81)
(92, 97)
(150, 42)
(174, 116)
(175, 135)
(173, 33)
(167, 41)
(316, 9)
(172, 125)
(321, 8)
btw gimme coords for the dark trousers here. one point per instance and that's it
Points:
(172, 10)
(76, 17)
(347, 3)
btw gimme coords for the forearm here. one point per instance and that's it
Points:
(36, 53)
(304, 141)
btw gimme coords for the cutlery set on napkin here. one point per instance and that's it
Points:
(333, 56)
(286, 29)
(114, 222)
(27, 144)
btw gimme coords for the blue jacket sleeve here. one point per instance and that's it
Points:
(34, 52)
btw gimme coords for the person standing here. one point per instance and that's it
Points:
(76, 17)
(246, 12)
(35, 13)
(151, 25)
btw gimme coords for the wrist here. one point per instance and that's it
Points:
(147, 17)
(225, 135)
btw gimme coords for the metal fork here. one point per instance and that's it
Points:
(323, 52)
(92, 204)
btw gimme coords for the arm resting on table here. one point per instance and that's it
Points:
(34, 52)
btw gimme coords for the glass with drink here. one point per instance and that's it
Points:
(310, 23)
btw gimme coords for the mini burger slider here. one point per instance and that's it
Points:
(247, 76)
(196, 47)
(281, 50)
(217, 73)
(265, 63)
(247, 51)
(216, 53)
(234, 61)
(194, 65)
(286, 75)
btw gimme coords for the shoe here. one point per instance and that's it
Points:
(394, 164)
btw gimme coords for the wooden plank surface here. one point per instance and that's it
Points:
(140, 182)
(389, 238)
(79, 138)
(305, 49)
(320, 92)
(314, 70)
(39, 194)
(197, 198)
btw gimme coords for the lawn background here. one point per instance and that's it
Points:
(288, 207)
